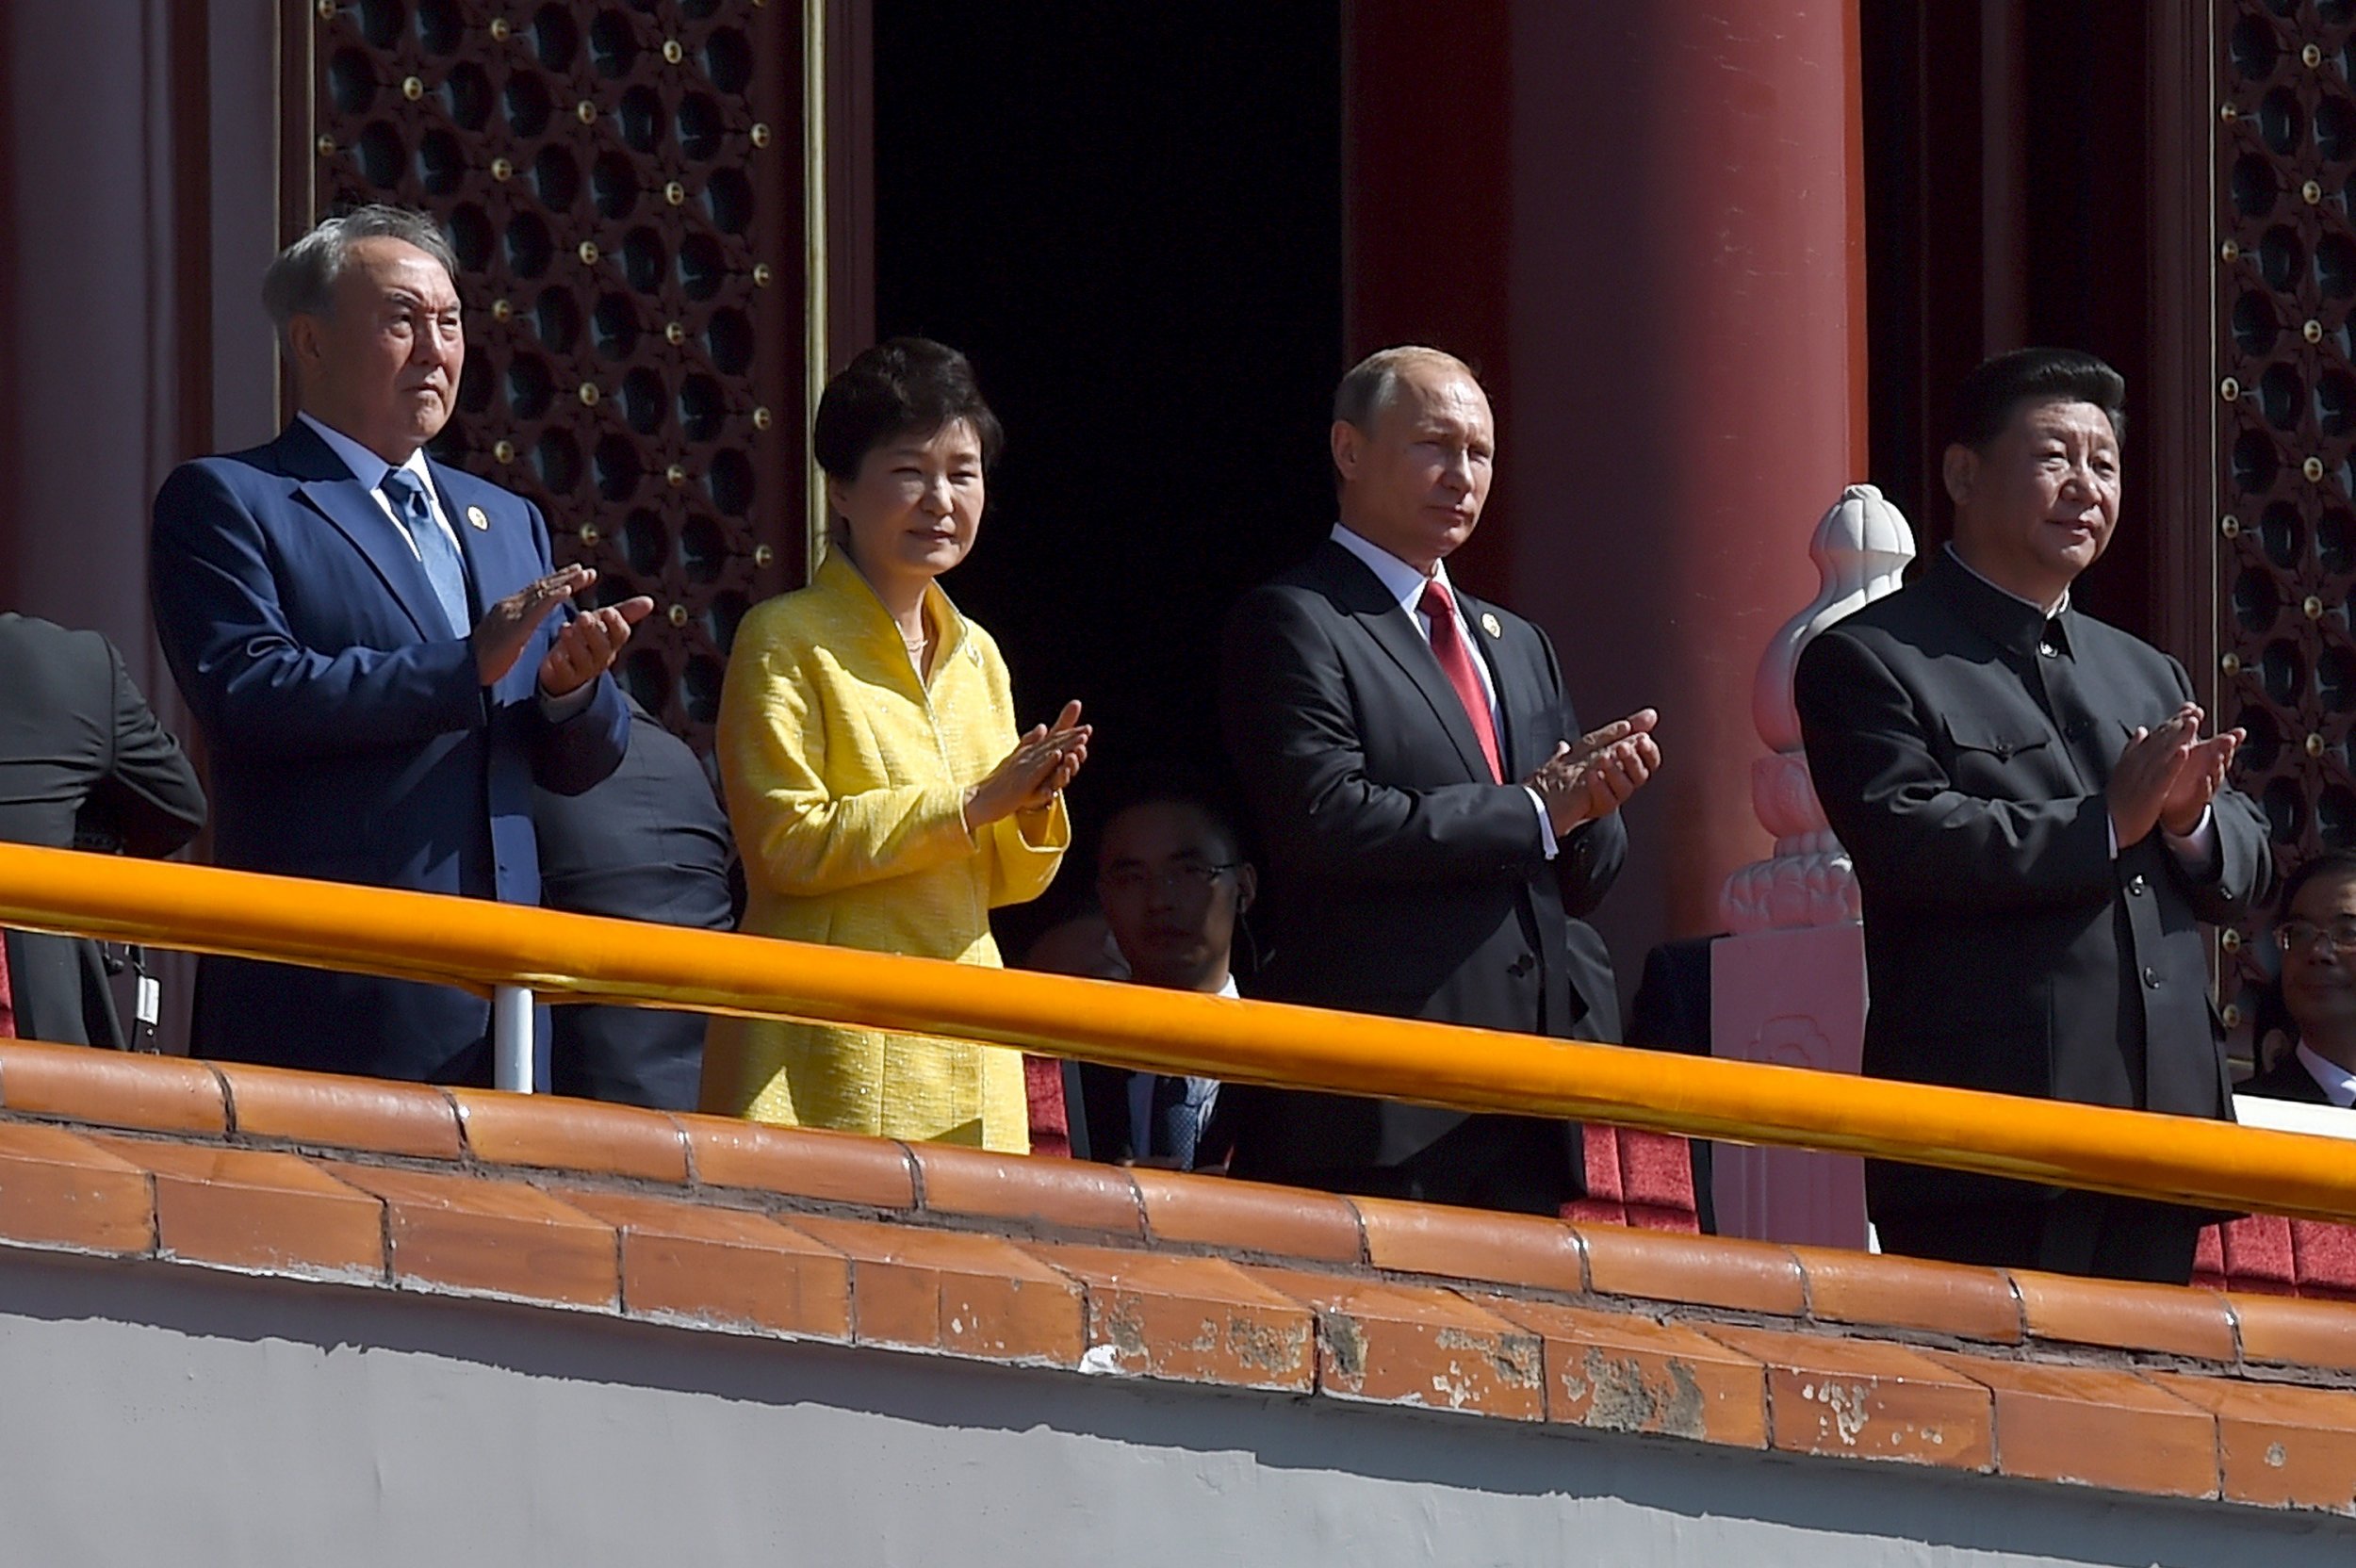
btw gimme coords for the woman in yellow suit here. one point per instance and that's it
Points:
(880, 795)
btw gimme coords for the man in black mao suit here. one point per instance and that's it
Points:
(648, 842)
(2037, 827)
(1433, 821)
(82, 760)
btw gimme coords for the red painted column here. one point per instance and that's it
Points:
(1687, 387)
(1646, 220)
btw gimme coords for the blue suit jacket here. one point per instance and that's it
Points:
(349, 736)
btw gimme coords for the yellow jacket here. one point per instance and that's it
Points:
(846, 780)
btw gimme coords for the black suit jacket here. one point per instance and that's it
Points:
(2288, 1079)
(82, 759)
(1401, 878)
(2005, 947)
(650, 843)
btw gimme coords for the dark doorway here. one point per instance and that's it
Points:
(1130, 216)
(2006, 203)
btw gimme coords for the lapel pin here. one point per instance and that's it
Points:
(1489, 625)
(474, 516)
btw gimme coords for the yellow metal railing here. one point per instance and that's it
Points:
(484, 945)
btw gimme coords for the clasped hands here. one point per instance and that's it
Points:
(1593, 777)
(585, 648)
(2166, 777)
(1042, 762)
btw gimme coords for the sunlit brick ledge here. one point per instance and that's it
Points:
(717, 1225)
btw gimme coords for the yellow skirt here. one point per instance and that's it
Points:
(865, 1080)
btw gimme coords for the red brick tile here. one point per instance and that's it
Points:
(1715, 1272)
(1064, 1195)
(1417, 1345)
(325, 1110)
(1248, 1216)
(112, 1088)
(1859, 1399)
(1472, 1244)
(944, 1290)
(827, 1168)
(483, 1235)
(723, 1266)
(2095, 1426)
(60, 1190)
(253, 1209)
(2166, 1319)
(2279, 1446)
(1909, 1293)
(1620, 1373)
(1188, 1319)
(2298, 1332)
(558, 1133)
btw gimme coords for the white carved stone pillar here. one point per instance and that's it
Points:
(1788, 985)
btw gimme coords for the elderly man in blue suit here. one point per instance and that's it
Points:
(380, 657)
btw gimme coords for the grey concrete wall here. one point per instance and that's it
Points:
(154, 1414)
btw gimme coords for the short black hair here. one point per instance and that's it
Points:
(900, 386)
(1984, 402)
(1187, 788)
(2330, 863)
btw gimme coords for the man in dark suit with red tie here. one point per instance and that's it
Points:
(1433, 821)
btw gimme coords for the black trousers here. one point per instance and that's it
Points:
(1513, 1164)
(2077, 1233)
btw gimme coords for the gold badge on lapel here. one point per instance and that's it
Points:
(1489, 625)
(474, 516)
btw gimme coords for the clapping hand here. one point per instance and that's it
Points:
(2167, 775)
(583, 649)
(589, 643)
(1042, 762)
(1593, 777)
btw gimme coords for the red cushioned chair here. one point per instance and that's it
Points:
(1051, 1122)
(2264, 1254)
(1637, 1178)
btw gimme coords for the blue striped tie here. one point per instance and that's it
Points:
(444, 567)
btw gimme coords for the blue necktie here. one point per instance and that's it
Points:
(443, 566)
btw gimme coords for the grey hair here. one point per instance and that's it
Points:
(1373, 382)
(302, 281)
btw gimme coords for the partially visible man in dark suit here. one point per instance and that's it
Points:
(1434, 822)
(2037, 827)
(2316, 940)
(1171, 876)
(82, 761)
(382, 663)
(650, 843)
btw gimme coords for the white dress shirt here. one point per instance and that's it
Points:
(1406, 584)
(371, 469)
(2337, 1083)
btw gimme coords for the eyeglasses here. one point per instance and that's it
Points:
(2296, 936)
(1186, 876)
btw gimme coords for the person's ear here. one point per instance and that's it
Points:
(1247, 886)
(1960, 469)
(305, 345)
(836, 490)
(1349, 443)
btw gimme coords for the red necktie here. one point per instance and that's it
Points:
(8, 999)
(1456, 662)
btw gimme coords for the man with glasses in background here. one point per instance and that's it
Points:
(1173, 884)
